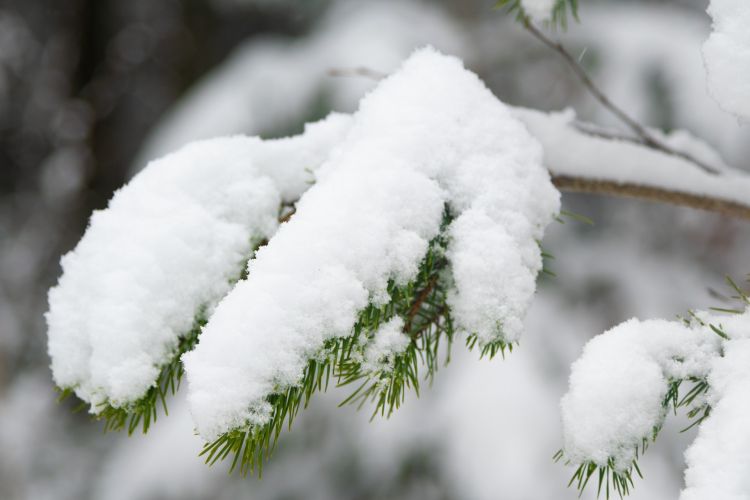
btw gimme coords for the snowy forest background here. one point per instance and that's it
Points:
(92, 89)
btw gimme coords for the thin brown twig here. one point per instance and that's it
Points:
(414, 309)
(647, 138)
(434, 321)
(649, 193)
(288, 215)
(358, 71)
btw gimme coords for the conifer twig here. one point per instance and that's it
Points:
(650, 193)
(418, 303)
(646, 137)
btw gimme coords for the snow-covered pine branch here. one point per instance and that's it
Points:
(424, 220)
(629, 378)
(151, 267)
(432, 156)
(417, 220)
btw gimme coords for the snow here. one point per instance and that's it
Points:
(718, 460)
(727, 55)
(538, 10)
(571, 152)
(429, 135)
(389, 340)
(619, 383)
(169, 243)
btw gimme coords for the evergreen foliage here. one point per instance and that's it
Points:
(615, 479)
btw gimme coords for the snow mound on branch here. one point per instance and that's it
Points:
(169, 243)
(431, 134)
(618, 388)
(619, 383)
(727, 55)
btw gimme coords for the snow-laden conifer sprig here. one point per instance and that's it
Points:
(603, 430)
(613, 478)
(137, 289)
(370, 247)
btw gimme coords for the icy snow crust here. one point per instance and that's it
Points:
(170, 243)
(431, 134)
(727, 55)
(618, 385)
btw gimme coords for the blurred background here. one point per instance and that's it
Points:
(90, 90)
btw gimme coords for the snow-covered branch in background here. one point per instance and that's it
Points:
(727, 55)
(629, 378)
(582, 158)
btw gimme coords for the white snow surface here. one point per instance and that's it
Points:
(618, 384)
(170, 243)
(388, 342)
(428, 135)
(538, 10)
(719, 459)
(727, 55)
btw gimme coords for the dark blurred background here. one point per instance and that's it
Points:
(90, 90)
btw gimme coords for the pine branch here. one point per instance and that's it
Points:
(612, 477)
(694, 401)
